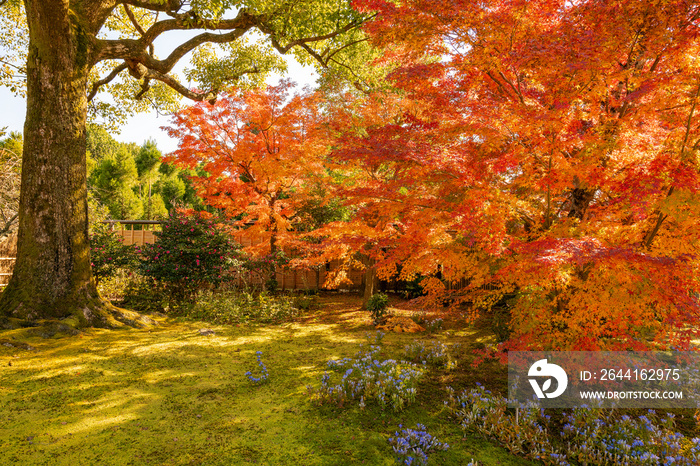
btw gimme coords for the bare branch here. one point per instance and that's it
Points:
(105, 80)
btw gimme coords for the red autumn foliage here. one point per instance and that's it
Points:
(260, 152)
(550, 150)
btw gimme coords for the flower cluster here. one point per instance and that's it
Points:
(263, 371)
(412, 446)
(433, 325)
(479, 410)
(434, 353)
(598, 436)
(590, 436)
(375, 338)
(366, 378)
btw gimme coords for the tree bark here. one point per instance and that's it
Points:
(580, 200)
(52, 278)
(370, 281)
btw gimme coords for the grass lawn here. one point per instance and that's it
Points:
(170, 395)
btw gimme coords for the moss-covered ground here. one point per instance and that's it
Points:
(170, 395)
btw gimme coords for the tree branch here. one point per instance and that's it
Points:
(9, 223)
(97, 84)
(145, 86)
(129, 49)
(209, 96)
(350, 44)
(138, 27)
(517, 92)
(18, 68)
(357, 83)
(649, 238)
(133, 20)
(504, 91)
(144, 65)
(303, 42)
(169, 6)
(189, 21)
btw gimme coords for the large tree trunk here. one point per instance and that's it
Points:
(52, 278)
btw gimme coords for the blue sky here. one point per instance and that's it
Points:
(142, 126)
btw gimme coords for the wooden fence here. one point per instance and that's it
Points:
(137, 237)
(287, 279)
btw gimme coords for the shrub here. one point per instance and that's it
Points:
(306, 302)
(238, 307)
(412, 446)
(143, 294)
(376, 305)
(602, 437)
(265, 267)
(192, 252)
(412, 289)
(108, 253)
(114, 287)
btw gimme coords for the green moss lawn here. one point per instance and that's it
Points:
(170, 395)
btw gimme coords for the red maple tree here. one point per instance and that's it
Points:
(548, 163)
(260, 152)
